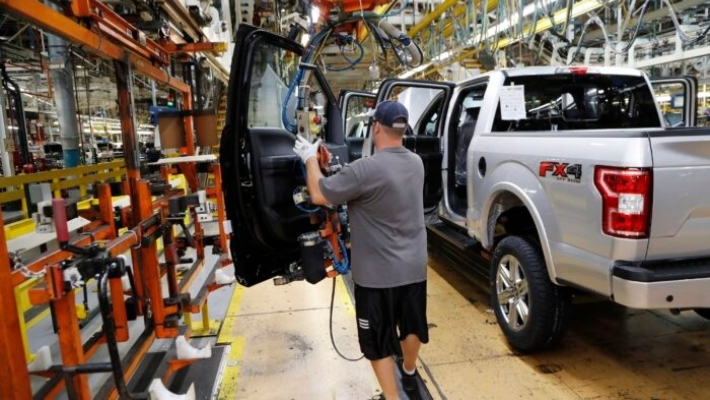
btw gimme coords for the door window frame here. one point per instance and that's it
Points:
(450, 142)
(690, 97)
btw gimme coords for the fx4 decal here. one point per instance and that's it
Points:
(562, 171)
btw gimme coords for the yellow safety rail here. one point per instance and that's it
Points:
(14, 189)
(61, 179)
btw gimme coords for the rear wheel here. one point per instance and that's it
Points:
(703, 312)
(531, 311)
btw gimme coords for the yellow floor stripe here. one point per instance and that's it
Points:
(344, 296)
(230, 378)
(229, 321)
(228, 386)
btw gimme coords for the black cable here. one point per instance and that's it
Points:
(109, 329)
(17, 113)
(341, 47)
(374, 31)
(631, 41)
(700, 37)
(553, 25)
(332, 340)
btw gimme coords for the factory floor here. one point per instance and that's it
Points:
(281, 348)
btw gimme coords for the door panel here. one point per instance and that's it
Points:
(260, 169)
(427, 103)
(279, 174)
(354, 147)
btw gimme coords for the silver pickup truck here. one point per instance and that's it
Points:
(577, 184)
(545, 178)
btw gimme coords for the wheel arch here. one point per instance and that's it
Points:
(508, 200)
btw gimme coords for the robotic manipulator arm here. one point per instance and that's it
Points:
(324, 252)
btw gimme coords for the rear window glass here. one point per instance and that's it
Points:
(591, 101)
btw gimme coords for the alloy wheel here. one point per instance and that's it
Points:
(512, 292)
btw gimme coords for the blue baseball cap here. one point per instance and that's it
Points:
(391, 113)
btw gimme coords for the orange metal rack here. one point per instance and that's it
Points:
(99, 30)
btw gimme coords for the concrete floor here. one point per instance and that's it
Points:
(609, 352)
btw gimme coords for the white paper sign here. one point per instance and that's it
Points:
(512, 103)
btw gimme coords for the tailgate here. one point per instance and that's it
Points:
(680, 219)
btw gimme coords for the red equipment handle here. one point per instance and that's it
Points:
(60, 221)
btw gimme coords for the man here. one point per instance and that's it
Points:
(389, 249)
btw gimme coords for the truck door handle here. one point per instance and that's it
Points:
(482, 166)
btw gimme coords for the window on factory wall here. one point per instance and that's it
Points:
(274, 92)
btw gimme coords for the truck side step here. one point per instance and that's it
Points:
(455, 236)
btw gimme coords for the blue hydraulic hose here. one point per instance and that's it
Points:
(342, 267)
(352, 63)
(284, 108)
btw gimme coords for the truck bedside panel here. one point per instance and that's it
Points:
(680, 219)
(570, 208)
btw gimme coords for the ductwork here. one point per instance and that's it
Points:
(415, 53)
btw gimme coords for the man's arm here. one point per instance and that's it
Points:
(341, 187)
(313, 177)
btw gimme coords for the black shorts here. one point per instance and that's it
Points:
(387, 316)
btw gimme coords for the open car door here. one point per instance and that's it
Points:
(354, 106)
(677, 98)
(261, 171)
(428, 104)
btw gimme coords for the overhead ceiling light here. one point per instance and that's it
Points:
(514, 18)
(315, 14)
(412, 72)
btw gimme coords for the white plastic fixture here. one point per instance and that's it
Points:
(185, 351)
(43, 360)
(222, 278)
(158, 391)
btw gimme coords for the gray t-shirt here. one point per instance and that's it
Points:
(386, 212)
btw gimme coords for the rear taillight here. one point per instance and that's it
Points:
(626, 200)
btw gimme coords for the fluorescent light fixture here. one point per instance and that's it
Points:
(438, 59)
(412, 72)
(315, 14)
(508, 22)
(544, 23)
(444, 56)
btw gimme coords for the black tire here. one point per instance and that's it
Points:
(703, 312)
(547, 305)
